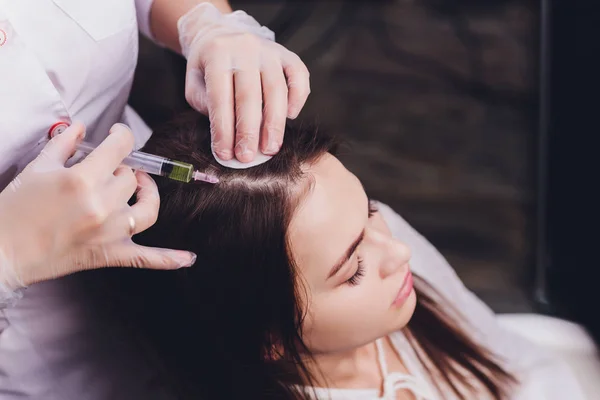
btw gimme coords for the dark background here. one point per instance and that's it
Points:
(440, 102)
(568, 196)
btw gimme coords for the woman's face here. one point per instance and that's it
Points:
(357, 278)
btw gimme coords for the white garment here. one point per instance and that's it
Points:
(541, 376)
(61, 61)
(413, 381)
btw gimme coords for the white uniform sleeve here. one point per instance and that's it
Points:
(54, 345)
(533, 366)
(142, 8)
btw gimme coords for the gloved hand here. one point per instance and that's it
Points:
(55, 220)
(234, 68)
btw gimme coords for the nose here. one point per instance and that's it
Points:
(396, 257)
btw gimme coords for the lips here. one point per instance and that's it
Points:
(404, 291)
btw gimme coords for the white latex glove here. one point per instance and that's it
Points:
(56, 220)
(246, 83)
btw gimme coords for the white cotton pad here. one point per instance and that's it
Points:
(259, 158)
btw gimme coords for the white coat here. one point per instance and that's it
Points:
(62, 61)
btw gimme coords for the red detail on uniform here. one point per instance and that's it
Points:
(54, 129)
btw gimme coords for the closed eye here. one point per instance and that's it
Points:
(360, 269)
(360, 272)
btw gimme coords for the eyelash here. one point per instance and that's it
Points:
(360, 270)
(372, 208)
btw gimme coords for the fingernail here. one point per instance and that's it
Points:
(245, 155)
(293, 112)
(118, 124)
(272, 148)
(224, 154)
(81, 134)
(186, 261)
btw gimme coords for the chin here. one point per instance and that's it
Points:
(405, 312)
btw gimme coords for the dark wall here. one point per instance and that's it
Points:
(570, 245)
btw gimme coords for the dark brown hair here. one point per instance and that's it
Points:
(214, 325)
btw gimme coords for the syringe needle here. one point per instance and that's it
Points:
(201, 176)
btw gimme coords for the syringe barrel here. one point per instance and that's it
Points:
(136, 160)
(145, 162)
(149, 163)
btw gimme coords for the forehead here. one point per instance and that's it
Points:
(328, 219)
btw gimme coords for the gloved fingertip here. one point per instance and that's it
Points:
(272, 148)
(81, 135)
(194, 257)
(186, 259)
(117, 126)
(144, 176)
(76, 123)
(224, 154)
(244, 155)
(293, 112)
(79, 127)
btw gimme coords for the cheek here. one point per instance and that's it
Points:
(348, 317)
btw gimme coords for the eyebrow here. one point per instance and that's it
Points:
(338, 265)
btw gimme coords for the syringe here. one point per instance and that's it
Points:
(156, 165)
